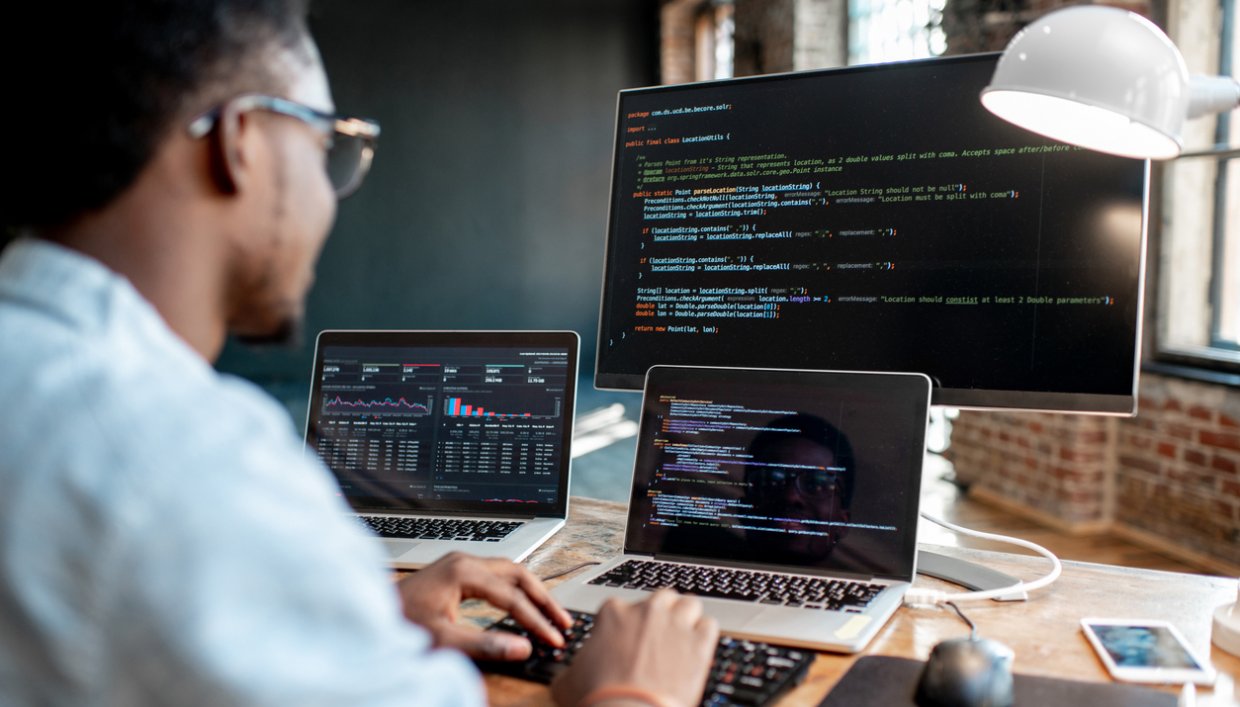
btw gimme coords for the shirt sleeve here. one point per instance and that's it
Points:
(242, 580)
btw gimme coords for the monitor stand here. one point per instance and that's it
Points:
(967, 574)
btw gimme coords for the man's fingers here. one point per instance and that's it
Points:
(537, 592)
(503, 585)
(687, 610)
(529, 616)
(708, 628)
(483, 645)
(663, 598)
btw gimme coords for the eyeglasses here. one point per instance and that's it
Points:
(350, 141)
(810, 483)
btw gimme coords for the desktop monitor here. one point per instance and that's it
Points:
(872, 218)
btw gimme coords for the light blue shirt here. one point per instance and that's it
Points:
(163, 540)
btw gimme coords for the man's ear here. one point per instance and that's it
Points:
(231, 158)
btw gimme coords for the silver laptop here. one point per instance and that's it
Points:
(786, 500)
(448, 440)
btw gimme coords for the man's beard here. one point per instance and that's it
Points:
(289, 334)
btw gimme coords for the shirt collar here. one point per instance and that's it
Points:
(74, 288)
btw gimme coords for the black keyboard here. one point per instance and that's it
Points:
(742, 585)
(491, 531)
(746, 673)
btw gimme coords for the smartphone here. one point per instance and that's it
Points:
(1142, 650)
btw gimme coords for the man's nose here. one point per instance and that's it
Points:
(792, 493)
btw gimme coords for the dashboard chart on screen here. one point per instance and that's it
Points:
(473, 423)
(871, 218)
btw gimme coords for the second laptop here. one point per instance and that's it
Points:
(448, 440)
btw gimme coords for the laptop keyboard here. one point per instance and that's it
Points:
(489, 531)
(743, 672)
(742, 585)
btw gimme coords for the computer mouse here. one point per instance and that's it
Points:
(967, 672)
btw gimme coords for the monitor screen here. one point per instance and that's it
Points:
(872, 218)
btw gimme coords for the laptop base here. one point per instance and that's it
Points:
(834, 631)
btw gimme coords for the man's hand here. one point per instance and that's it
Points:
(663, 645)
(432, 598)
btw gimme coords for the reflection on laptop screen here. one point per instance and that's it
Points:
(799, 469)
(444, 427)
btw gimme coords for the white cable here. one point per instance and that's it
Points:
(934, 596)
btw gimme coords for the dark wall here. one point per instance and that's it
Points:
(487, 203)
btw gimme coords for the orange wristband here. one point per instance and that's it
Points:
(622, 692)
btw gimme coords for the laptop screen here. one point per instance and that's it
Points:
(477, 422)
(812, 470)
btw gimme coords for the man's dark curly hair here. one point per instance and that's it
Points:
(93, 88)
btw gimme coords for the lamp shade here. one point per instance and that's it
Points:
(1098, 77)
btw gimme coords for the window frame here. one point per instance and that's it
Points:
(1219, 360)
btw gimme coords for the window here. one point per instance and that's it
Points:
(697, 40)
(713, 39)
(892, 30)
(1197, 304)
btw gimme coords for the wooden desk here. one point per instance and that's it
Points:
(1043, 632)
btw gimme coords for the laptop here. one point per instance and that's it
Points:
(787, 500)
(448, 440)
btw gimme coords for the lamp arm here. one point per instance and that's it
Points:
(1212, 94)
(1218, 152)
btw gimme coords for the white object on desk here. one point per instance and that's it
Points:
(1226, 631)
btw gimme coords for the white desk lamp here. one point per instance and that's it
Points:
(1110, 80)
(1105, 79)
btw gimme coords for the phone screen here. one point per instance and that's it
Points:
(1143, 647)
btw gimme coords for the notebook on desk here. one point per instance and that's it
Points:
(787, 500)
(448, 440)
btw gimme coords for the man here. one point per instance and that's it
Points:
(802, 471)
(163, 540)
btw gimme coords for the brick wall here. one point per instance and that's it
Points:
(1056, 466)
(677, 19)
(987, 25)
(1178, 468)
(765, 36)
(771, 36)
(1169, 477)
